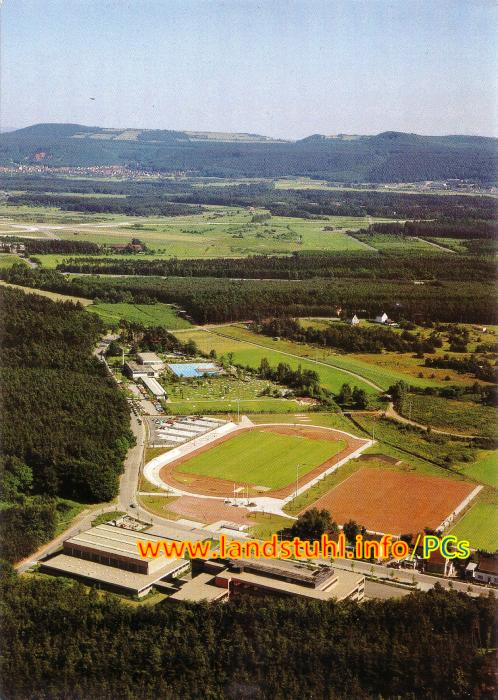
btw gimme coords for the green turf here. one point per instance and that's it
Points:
(485, 469)
(479, 526)
(147, 314)
(261, 458)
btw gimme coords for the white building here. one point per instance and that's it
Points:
(354, 321)
(154, 387)
(383, 318)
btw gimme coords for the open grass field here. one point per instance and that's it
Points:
(484, 469)
(262, 458)
(219, 231)
(465, 417)
(55, 296)
(147, 314)
(395, 503)
(479, 526)
(7, 260)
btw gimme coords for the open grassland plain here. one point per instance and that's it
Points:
(146, 314)
(55, 296)
(262, 458)
(217, 232)
(464, 417)
(392, 502)
(479, 526)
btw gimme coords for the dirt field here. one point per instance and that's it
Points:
(221, 487)
(392, 502)
(207, 510)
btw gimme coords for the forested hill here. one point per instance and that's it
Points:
(387, 157)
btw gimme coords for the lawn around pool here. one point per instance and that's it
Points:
(262, 458)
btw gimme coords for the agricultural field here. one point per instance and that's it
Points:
(147, 314)
(397, 244)
(479, 526)
(248, 354)
(262, 458)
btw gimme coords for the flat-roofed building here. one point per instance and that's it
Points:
(286, 577)
(154, 387)
(135, 371)
(150, 359)
(277, 577)
(109, 555)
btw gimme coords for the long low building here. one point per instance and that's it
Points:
(154, 387)
(271, 577)
(109, 555)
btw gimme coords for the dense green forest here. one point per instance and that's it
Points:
(388, 157)
(58, 643)
(218, 300)
(65, 425)
(306, 265)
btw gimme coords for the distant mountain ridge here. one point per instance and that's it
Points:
(386, 157)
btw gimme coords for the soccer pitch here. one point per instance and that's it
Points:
(262, 458)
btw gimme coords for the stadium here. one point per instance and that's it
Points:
(267, 464)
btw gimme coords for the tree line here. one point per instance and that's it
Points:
(305, 265)
(347, 337)
(127, 206)
(444, 228)
(211, 300)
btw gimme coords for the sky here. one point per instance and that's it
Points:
(283, 68)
